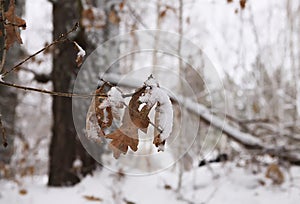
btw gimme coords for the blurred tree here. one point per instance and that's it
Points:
(8, 96)
(65, 146)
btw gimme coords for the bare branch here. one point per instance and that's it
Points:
(53, 93)
(60, 39)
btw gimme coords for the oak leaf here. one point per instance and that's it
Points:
(11, 26)
(139, 117)
(97, 119)
(124, 137)
(275, 174)
(22, 191)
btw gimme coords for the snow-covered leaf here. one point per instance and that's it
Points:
(156, 95)
(80, 55)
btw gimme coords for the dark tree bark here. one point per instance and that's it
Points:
(65, 146)
(8, 96)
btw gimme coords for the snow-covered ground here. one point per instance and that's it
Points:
(227, 184)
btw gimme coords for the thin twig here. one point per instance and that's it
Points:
(4, 139)
(62, 94)
(60, 39)
(53, 93)
(4, 50)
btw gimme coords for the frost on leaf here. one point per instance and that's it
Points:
(12, 25)
(114, 99)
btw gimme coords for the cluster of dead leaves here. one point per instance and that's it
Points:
(12, 23)
(93, 18)
(135, 118)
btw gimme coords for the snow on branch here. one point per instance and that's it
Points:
(247, 140)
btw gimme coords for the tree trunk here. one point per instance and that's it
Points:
(65, 146)
(8, 96)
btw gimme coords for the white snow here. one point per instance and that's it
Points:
(1, 77)
(81, 52)
(77, 163)
(199, 110)
(220, 123)
(154, 94)
(114, 99)
(227, 184)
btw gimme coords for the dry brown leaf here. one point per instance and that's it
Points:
(114, 17)
(243, 3)
(124, 137)
(163, 13)
(275, 174)
(93, 18)
(79, 60)
(168, 187)
(22, 191)
(92, 198)
(12, 26)
(158, 142)
(121, 5)
(104, 116)
(139, 118)
(97, 118)
(80, 54)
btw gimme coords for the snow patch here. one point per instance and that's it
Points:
(81, 51)
(1, 77)
(114, 99)
(154, 94)
(77, 163)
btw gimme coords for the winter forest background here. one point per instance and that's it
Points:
(235, 114)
